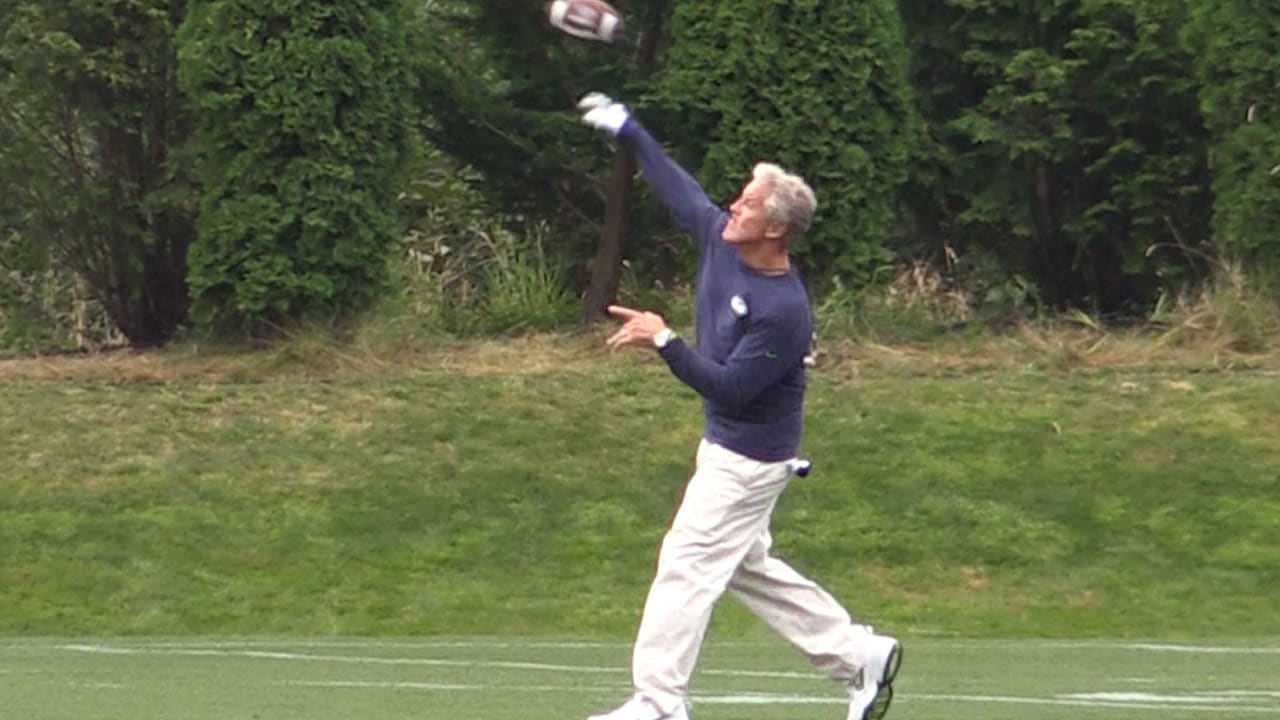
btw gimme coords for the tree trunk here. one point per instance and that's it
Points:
(606, 267)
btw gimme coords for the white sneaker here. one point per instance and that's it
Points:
(640, 707)
(871, 691)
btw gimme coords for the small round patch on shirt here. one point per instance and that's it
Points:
(738, 306)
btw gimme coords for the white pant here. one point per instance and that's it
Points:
(720, 539)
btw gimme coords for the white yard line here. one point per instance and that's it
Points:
(389, 644)
(1240, 702)
(368, 660)
(115, 649)
(1254, 702)
(1147, 702)
(1084, 702)
(382, 685)
(197, 644)
(1113, 645)
(1209, 649)
(1183, 699)
(351, 659)
(38, 643)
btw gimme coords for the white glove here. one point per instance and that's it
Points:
(602, 113)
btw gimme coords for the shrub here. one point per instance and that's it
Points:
(302, 122)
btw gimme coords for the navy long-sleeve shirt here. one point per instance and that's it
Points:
(753, 331)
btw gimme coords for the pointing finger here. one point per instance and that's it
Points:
(625, 313)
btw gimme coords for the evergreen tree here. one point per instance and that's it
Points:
(1064, 143)
(93, 131)
(818, 87)
(498, 87)
(303, 126)
(1236, 44)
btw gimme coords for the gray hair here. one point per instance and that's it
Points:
(791, 201)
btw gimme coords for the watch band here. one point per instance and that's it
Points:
(663, 337)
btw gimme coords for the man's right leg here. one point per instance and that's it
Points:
(726, 506)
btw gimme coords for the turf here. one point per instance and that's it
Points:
(522, 679)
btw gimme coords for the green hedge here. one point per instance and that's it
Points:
(818, 87)
(302, 118)
(1237, 46)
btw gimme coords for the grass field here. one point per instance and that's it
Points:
(523, 487)
(524, 679)
(240, 535)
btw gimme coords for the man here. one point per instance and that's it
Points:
(754, 327)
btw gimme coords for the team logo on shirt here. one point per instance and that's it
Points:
(738, 306)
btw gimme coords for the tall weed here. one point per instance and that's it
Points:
(45, 308)
(489, 282)
(1233, 311)
(917, 301)
(524, 290)
(466, 268)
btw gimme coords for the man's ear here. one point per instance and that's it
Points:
(775, 231)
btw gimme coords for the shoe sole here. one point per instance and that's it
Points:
(884, 693)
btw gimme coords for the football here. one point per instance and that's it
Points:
(587, 19)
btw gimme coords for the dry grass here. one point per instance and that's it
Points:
(1063, 346)
(312, 356)
(1057, 347)
(123, 366)
(1226, 326)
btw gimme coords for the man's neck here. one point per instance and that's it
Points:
(765, 258)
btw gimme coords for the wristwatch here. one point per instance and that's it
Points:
(664, 336)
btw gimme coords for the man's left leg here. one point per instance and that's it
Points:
(817, 625)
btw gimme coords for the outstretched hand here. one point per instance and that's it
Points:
(602, 113)
(638, 327)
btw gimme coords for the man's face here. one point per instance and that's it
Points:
(748, 221)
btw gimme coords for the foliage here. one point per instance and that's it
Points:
(31, 296)
(461, 270)
(92, 136)
(497, 87)
(1231, 310)
(303, 131)
(818, 87)
(491, 282)
(916, 303)
(48, 310)
(1237, 49)
(1046, 155)
(1064, 143)
(523, 289)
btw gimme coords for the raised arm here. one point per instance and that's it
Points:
(688, 202)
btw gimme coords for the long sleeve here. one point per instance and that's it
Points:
(687, 200)
(769, 351)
